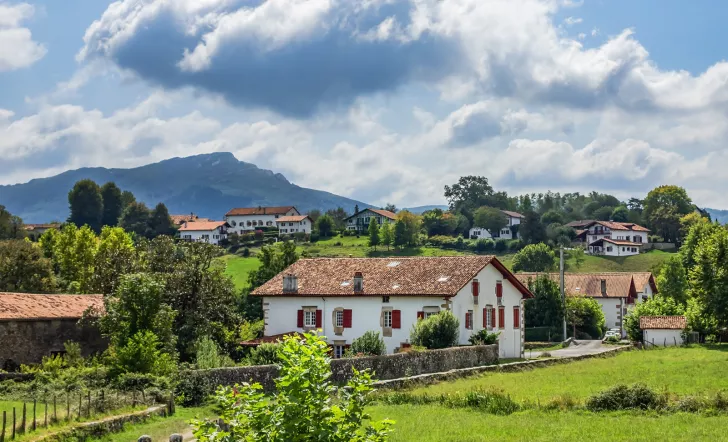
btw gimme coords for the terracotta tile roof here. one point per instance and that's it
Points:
(24, 306)
(267, 339)
(618, 242)
(663, 322)
(41, 226)
(385, 213)
(181, 219)
(394, 276)
(620, 226)
(618, 284)
(512, 214)
(641, 279)
(241, 211)
(291, 219)
(201, 226)
(580, 223)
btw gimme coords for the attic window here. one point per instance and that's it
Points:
(345, 283)
(393, 264)
(443, 278)
(395, 287)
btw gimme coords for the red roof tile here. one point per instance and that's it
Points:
(663, 322)
(512, 214)
(618, 284)
(621, 226)
(242, 211)
(291, 219)
(201, 226)
(385, 213)
(181, 219)
(24, 306)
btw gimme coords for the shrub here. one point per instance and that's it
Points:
(370, 343)
(315, 237)
(534, 258)
(142, 354)
(193, 388)
(515, 245)
(209, 356)
(483, 337)
(488, 401)
(623, 397)
(438, 331)
(307, 406)
(245, 253)
(501, 245)
(612, 340)
(265, 354)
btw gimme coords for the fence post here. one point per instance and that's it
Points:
(103, 398)
(13, 423)
(68, 406)
(45, 418)
(24, 413)
(88, 404)
(55, 410)
(2, 435)
(80, 404)
(35, 401)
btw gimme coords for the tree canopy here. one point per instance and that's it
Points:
(113, 204)
(86, 204)
(490, 219)
(534, 258)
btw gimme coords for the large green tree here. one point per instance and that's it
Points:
(437, 222)
(11, 226)
(23, 268)
(273, 260)
(585, 316)
(374, 239)
(338, 215)
(546, 308)
(408, 232)
(672, 281)
(532, 230)
(113, 205)
(325, 225)
(159, 221)
(709, 275)
(534, 258)
(135, 219)
(663, 208)
(86, 204)
(490, 219)
(115, 257)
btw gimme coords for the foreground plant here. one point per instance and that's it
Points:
(307, 406)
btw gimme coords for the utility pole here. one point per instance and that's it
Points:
(563, 292)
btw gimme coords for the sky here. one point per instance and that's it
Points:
(378, 100)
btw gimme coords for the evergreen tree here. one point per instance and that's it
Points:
(387, 234)
(400, 233)
(126, 199)
(159, 221)
(374, 239)
(86, 204)
(135, 219)
(325, 225)
(111, 196)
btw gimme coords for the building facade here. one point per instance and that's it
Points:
(507, 232)
(663, 331)
(612, 238)
(204, 231)
(360, 221)
(248, 219)
(288, 225)
(346, 297)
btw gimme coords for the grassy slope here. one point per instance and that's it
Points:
(238, 268)
(160, 429)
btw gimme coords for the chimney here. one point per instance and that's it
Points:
(604, 287)
(358, 282)
(290, 283)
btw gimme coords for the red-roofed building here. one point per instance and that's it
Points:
(613, 238)
(346, 297)
(663, 331)
(248, 219)
(507, 232)
(360, 221)
(204, 231)
(288, 225)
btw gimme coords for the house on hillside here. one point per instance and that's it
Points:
(248, 219)
(35, 231)
(664, 331)
(613, 238)
(178, 220)
(507, 232)
(345, 297)
(616, 292)
(204, 231)
(360, 221)
(288, 225)
(34, 326)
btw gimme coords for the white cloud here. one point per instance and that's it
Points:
(571, 21)
(17, 48)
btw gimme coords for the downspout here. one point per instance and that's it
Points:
(323, 319)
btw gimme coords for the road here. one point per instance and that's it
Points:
(577, 348)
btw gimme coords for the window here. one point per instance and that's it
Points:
(387, 323)
(309, 318)
(609, 249)
(499, 289)
(232, 223)
(206, 237)
(249, 223)
(339, 318)
(501, 317)
(290, 224)
(339, 351)
(488, 317)
(469, 320)
(269, 223)
(623, 249)
(516, 317)
(216, 236)
(187, 237)
(277, 216)
(385, 299)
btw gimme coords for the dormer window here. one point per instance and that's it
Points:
(358, 282)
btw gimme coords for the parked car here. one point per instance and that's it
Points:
(613, 333)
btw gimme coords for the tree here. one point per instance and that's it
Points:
(84, 255)
(339, 216)
(24, 269)
(603, 213)
(699, 320)
(672, 280)
(437, 331)
(11, 227)
(127, 198)
(585, 315)
(534, 258)
(369, 344)
(490, 219)
(688, 221)
(86, 204)
(545, 309)
(577, 255)
(469, 193)
(663, 208)
(532, 231)
(620, 214)
(356, 209)
(273, 260)
(387, 235)
(696, 235)
(410, 226)
(400, 234)
(437, 222)
(115, 257)
(135, 219)
(391, 208)
(159, 221)
(552, 217)
(463, 225)
(374, 239)
(307, 406)
(325, 225)
(655, 306)
(709, 276)
(314, 214)
(113, 204)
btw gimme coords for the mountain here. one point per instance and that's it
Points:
(208, 185)
(718, 215)
(422, 209)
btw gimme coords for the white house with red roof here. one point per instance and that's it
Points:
(507, 232)
(248, 219)
(360, 221)
(346, 297)
(613, 238)
(288, 225)
(204, 231)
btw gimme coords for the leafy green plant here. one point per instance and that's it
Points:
(306, 406)
(438, 331)
(623, 397)
(265, 354)
(483, 337)
(370, 343)
(209, 355)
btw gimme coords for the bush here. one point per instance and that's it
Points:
(612, 340)
(501, 245)
(488, 401)
(193, 388)
(534, 258)
(245, 253)
(515, 245)
(438, 331)
(315, 237)
(623, 397)
(142, 354)
(265, 354)
(209, 356)
(483, 337)
(370, 343)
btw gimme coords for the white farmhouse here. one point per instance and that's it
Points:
(360, 221)
(248, 219)
(204, 231)
(616, 292)
(663, 331)
(514, 218)
(612, 238)
(345, 297)
(288, 225)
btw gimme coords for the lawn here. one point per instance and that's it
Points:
(238, 268)
(161, 428)
(679, 371)
(644, 262)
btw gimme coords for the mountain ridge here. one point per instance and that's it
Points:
(206, 184)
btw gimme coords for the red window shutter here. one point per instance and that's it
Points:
(476, 288)
(420, 315)
(501, 317)
(467, 320)
(319, 317)
(516, 317)
(492, 318)
(499, 289)
(396, 319)
(485, 318)
(300, 319)
(347, 318)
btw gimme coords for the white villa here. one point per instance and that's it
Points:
(612, 238)
(204, 231)
(514, 218)
(294, 224)
(248, 219)
(360, 221)
(616, 292)
(345, 297)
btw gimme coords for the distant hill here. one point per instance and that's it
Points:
(421, 209)
(208, 185)
(718, 215)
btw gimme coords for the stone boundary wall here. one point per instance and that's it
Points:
(385, 367)
(432, 378)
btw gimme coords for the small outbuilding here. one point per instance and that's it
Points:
(663, 331)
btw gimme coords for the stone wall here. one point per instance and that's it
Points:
(26, 342)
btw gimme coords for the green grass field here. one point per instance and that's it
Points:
(159, 428)
(644, 262)
(238, 268)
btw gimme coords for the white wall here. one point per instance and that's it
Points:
(197, 235)
(241, 221)
(663, 337)
(613, 309)
(617, 250)
(297, 227)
